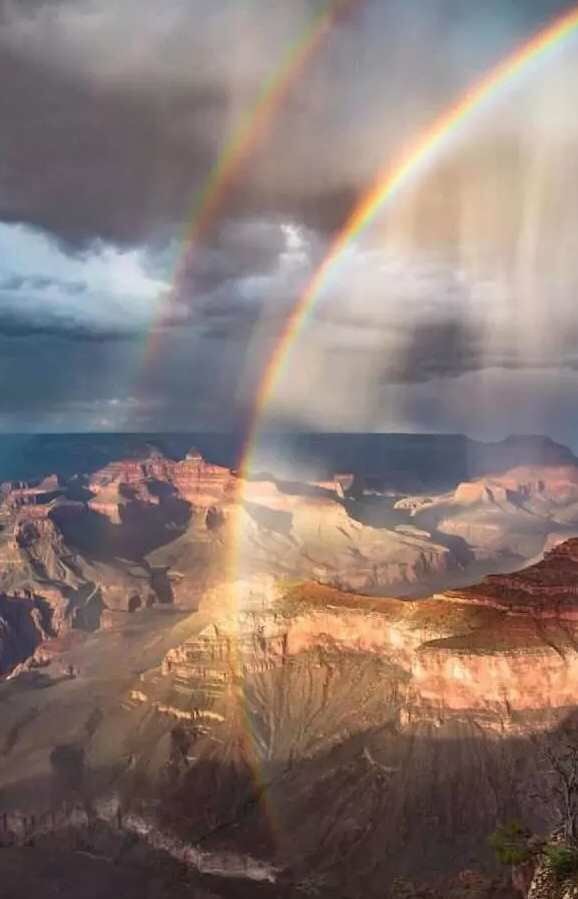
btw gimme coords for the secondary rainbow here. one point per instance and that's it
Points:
(237, 152)
(390, 181)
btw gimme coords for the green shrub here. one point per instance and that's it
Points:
(510, 843)
(562, 859)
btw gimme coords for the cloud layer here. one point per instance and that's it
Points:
(116, 115)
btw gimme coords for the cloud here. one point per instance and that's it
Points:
(118, 109)
(102, 293)
(117, 112)
(249, 277)
(388, 321)
(134, 109)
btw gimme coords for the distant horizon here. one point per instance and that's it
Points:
(233, 441)
(287, 432)
(433, 459)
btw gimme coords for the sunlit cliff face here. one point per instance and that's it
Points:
(466, 652)
(447, 657)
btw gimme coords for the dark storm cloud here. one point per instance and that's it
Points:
(114, 112)
(238, 249)
(82, 163)
(40, 373)
(14, 324)
(105, 294)
(445, 348)
(252, 272)
(53, 383)
(93, 147)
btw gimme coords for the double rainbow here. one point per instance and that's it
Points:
(409, 164)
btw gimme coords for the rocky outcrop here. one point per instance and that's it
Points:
(40, 570)
(20, 494)
(83, 550)
(151, 479)
(148, 529)
(314, 537)
(548, 589)
(301, 531)
(25, 622)
(450, 657)
(458, 690)
(506, 518)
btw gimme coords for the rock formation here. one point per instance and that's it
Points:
(548, 589)
(151, 479)
(149, 529)
(25, 623)
(512, 515)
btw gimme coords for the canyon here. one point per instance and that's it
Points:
(77, 551)
(284, 727)
(297, 736)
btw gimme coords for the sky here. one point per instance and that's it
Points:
(453, 312)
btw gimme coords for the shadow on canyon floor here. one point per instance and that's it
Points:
(418, 802)
(143, 528)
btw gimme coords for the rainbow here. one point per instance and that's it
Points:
(238, 150)
(408, 165)
(390, 182)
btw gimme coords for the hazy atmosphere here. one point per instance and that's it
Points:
(454, 311)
